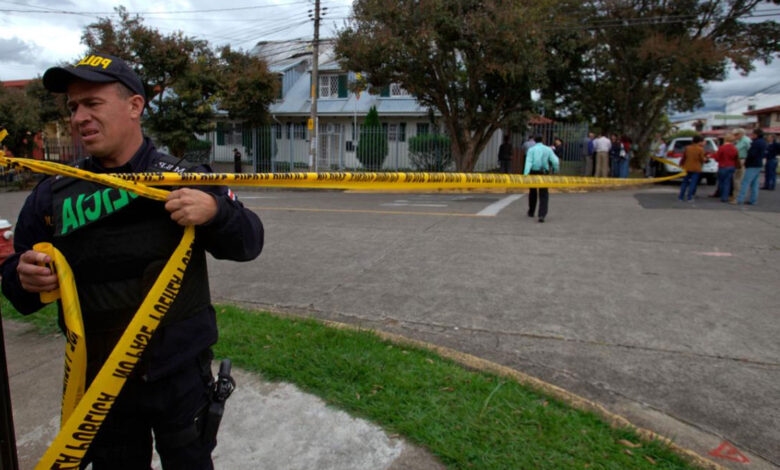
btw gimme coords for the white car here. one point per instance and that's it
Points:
(709, 170)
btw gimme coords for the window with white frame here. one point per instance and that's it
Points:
(397, 90)
(392, 132)
(396, 132)
(233, 134)
(300, 131)
(329, 86)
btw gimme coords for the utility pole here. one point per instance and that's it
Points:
(313, 124)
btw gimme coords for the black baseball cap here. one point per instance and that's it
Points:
(97, 68)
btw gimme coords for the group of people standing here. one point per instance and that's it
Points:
(740, 160)
(608, 156)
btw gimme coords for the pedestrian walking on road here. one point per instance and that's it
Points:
(540, 160)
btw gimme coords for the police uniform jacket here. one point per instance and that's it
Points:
(117, 243)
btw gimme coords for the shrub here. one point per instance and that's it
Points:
(430, 152)
(372, 146)
(197, 151)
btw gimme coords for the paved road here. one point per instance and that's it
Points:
(665, 312)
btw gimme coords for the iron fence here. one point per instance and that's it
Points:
(386, 148)
(346, 147)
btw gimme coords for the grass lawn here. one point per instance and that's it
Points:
(469, 419)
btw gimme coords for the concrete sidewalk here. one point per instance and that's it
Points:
(266, 425)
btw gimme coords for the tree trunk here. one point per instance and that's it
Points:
(466, 149)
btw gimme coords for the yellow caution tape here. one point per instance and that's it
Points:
(83, 412)
(53, 168)
(387, 181)
(140, 183)
(84, 421)
(74, 377)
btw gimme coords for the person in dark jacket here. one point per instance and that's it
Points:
(770, 167)
(236, 161)
(116, 250)
(753, 164)
(616, 152)
(505, 155)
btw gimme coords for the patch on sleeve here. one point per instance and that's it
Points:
(232, 195)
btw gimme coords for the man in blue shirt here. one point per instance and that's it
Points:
(540, 160)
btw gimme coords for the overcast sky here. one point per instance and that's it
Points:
(36, 34)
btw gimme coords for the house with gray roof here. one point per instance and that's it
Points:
(340, 112)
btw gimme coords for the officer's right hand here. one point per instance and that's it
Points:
(33, 273)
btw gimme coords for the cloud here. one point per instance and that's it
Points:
(765, 78)
(16, 50)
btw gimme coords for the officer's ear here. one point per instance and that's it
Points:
(136, 103)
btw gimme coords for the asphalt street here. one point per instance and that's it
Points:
(663, 311)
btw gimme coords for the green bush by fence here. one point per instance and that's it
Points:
(430, 152)
(372, 147)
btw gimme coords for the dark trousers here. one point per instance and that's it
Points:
(165, 406)
(725, 175)
(542, 194)
(770, 174)
(506, 166)
(688, 186)
(544, 199)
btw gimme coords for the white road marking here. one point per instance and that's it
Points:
(493, 209)
(410, 204)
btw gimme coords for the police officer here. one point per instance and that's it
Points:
(116, 252)
(540, 160)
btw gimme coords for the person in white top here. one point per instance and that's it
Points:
(601, 146)
(660, 152)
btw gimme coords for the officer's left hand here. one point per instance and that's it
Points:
(191, 206)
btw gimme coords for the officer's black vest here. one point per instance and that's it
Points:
(116, 244)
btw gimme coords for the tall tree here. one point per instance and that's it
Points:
(475, 61)
(184, 79)
(649, 57)
(51, 106)
(20, 117)
(248, 88)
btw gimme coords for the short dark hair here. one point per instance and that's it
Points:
(538, 138)
(758, 132)
(697, 139)
(124, 90)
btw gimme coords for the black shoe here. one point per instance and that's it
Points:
(541, 219)
(530, 214)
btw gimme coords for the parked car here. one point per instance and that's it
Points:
(709, 170)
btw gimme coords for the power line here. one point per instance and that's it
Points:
(152, 13)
